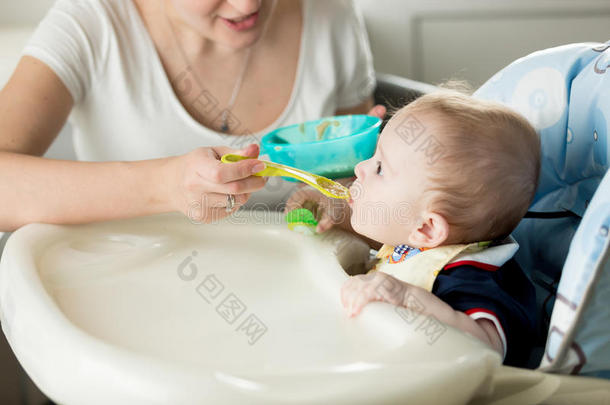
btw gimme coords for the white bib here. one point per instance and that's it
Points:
(421, 269)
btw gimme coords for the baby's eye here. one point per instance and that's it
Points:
(379, 169)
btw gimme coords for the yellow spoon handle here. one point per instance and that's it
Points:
(324, 185)
(270, 168)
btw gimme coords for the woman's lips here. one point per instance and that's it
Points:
(242, 23)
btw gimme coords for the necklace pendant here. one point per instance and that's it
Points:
(224, 127)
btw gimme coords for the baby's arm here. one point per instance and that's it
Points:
(378, 286)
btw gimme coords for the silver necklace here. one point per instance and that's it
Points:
(224, 126)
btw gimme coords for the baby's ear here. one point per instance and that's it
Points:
(432, 231)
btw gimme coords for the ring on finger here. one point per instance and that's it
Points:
(230, 202)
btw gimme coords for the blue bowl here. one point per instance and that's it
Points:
(330, 147)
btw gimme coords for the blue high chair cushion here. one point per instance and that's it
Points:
(579, 335)
(565, 93)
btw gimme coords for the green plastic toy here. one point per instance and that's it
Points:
(302, 220)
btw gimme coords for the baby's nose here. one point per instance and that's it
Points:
(358, 171)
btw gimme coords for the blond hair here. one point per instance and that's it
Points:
(486, 176)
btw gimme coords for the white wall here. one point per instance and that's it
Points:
(22, 12)
(435, 40)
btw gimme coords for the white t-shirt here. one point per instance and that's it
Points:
(125, 107)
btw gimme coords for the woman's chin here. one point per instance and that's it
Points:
(238, 40)
(243, 43)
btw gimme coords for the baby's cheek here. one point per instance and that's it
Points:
(362, 218)
(354, 222)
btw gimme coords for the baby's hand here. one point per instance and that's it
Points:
(376, 286)
(327, 211)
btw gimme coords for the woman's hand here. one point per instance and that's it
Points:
(328, 211)
(368, 107)
(377, 111)
(199, 183)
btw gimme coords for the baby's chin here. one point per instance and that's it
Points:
(364, 231)
(357, 227)
(375, 234)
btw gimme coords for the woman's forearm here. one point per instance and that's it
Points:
(34, 189)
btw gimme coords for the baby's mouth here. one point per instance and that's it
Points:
(353, 192)
(356, 192)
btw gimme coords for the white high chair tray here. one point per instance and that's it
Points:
(157, 310)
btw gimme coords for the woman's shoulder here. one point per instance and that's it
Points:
(337, 21)
(75, 38)
(337, 40)
(99, 10)
(92, 24)
(336, 11)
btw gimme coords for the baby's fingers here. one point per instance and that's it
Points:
(355, 295)
(328, 218)
(359, 301)
(325, 223)
(349, 290)
(298, 198)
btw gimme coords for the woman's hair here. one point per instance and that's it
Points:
(488, 166)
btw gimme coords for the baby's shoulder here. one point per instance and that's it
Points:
(507, 280)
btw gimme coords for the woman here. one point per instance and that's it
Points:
(157, 91)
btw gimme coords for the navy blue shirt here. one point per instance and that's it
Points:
(503, 295)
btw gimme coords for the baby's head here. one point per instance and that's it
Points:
(448, 169)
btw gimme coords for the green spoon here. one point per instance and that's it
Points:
(325, 186)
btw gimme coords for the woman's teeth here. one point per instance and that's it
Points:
(242, 23)
(236, 20)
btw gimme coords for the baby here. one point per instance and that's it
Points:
(451, 178)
